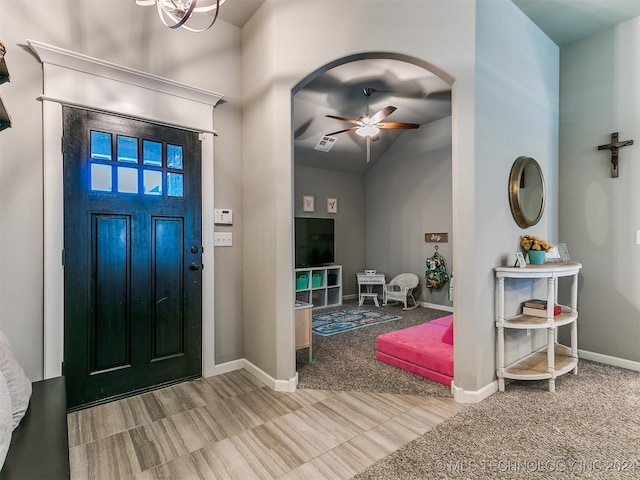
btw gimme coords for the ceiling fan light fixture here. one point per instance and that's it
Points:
(368, 130)
(175, 13)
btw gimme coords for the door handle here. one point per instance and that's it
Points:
(194, 266)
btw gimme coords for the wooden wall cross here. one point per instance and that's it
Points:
(614, 146)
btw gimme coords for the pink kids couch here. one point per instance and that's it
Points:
(425, 349)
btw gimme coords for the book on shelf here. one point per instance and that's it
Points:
(537, 312)
(536, 303)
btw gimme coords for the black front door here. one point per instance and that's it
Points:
(132, 256)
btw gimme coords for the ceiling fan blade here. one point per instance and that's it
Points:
(345, 119)
(391, 125)
(382, 114)
(341, 131)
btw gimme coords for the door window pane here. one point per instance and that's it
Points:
(152, 153)
(174, 156)
(136, 177)
(152, 182)
(127, 149)
(101, 145)
(101, 178)
(127, 180)
(174, 185)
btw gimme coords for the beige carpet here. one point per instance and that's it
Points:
(588, 428)
(347, 361)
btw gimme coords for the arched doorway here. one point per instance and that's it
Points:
(383, 203)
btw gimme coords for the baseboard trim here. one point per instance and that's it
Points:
(609, 360)
(228, 367)
(461, 395)
(435, 306)
(242, 363)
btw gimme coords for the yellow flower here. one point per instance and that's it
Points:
(531, 242)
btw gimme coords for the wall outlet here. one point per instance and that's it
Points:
(222, 239)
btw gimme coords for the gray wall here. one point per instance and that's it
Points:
(350, 239)
(599, 215)
(505, 90)
(409, 193)
(517, 76)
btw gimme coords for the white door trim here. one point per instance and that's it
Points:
(78, 80)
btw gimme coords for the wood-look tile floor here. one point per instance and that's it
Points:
(234, 427)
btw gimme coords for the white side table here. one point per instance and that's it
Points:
(553, 359)
(369, 280)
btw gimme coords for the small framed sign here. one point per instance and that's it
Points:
(436, 237)
(520, 261)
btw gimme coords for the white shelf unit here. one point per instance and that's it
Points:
(319, 286)
(553, 359)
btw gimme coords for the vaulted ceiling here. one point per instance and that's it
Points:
(420, 97)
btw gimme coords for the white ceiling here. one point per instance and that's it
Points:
(419, 96)
(566, 21)
(238, 12)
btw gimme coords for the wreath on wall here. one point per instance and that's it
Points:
(436, 275)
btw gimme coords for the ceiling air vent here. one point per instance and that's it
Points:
(325, 144)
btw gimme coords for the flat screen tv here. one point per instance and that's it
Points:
(314, 241)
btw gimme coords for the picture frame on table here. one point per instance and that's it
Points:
(308, 203)
(553, 255)
(563, 251)
(520, 261)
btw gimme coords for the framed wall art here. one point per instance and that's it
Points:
(332, 205)
(308, 203)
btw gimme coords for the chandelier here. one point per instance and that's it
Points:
(176, 13)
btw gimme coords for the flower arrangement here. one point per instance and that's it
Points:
(531, 242)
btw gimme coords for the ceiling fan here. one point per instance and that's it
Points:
(370, 126)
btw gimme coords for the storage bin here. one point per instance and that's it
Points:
(302, 282)
(318, 298)
(316, 280)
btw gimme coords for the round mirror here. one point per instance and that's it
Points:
(526, 191)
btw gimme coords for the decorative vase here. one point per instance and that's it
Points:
(536, 257)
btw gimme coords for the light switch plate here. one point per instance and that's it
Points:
(222, 239)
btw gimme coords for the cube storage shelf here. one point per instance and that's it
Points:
(553, 359)
(319, 286)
